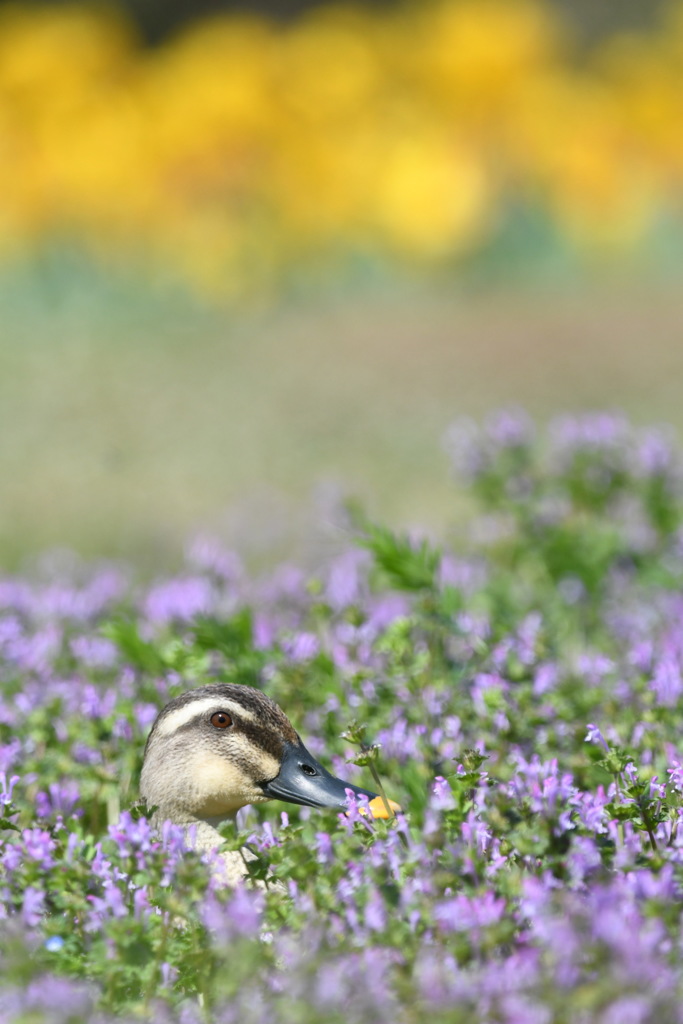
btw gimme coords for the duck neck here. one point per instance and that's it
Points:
(203, 833)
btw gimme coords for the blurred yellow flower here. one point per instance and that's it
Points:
(238, 148)
(431, 194)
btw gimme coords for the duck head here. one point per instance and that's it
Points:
(218, 748)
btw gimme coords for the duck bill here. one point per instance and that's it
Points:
(303, 780)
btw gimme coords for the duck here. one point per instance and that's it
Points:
(221, 747)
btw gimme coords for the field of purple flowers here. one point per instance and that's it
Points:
(519, 691)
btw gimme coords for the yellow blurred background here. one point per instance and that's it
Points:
(259, 256)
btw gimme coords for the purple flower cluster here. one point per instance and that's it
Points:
(522, 698)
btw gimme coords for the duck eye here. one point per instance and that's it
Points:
(220, 720)
(308, 770)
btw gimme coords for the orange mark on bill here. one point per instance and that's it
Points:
(378, 808)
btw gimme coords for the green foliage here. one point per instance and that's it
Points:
(405, 564)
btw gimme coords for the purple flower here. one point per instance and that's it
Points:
(39, 846)
(208, 555)
(133, 838)
(546, 677)
(141, 904)
(112, 903)
(169, 974)
(476, 833)
(474, 450)
(345, 579)
(357, 812)
(603, 432)
(33, 906)
(401, 741)
(510, 428)
(441, 799)
(467, 576)
(301, 647)
(518, 1008)
(527, 638)
(630, 1009)
(94, 651)
(593, 735)
(239, 918)
(83, 754)
(467, 913)
(264, 631)
(667, 683)
(56, 999)
(7, 787)
(582, 859)
(590, 809)
(593, 667)
(265, 839)
(375, 914)
(675, 774)
(324, 848)
(179, 599)
(655, 454)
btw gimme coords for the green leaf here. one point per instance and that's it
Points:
(408, 565)
(140, 653)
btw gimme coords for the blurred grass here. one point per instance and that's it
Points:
(131, 416)
(399, 217)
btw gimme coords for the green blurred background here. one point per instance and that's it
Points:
(262, 265)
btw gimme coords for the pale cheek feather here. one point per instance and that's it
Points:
(262, 765)
(217, 786)
(189, 776)
(220, 787)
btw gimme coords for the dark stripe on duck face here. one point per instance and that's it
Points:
(264, 738)
(271, 727)
(267, 715)
(269, 730)
(269, 741)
